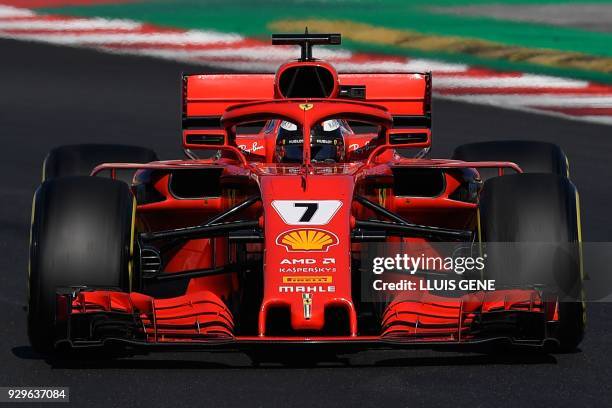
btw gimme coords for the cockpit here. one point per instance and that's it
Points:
(327, 144)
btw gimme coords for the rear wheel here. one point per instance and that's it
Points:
(531, 156)
(540, 213)
(82, 234)
(80, 160)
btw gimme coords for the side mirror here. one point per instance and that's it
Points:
(408, 138)
(204, 139)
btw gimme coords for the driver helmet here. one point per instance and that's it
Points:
(326, 143)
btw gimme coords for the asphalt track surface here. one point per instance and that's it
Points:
(54, 95)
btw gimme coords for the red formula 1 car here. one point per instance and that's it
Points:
(298, 184)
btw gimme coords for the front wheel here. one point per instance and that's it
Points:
(536, 218)
(82, 234)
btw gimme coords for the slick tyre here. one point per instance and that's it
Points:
(81, 159)
(532, 157)
(82, 234)
(540, 213)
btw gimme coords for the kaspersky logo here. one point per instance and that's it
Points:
(307, 240)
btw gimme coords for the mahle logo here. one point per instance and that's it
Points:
(305, 240)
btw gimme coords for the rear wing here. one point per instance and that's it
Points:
(407, 96)
(207, 96)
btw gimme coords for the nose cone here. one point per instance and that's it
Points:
(307, 260)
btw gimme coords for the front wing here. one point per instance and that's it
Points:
(94, 318)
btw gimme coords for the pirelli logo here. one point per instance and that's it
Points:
(307, 279)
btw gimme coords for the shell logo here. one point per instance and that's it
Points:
(305, 240)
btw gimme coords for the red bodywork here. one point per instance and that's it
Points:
(252, 299)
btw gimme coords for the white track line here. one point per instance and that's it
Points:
(12, 12)
(424, 65)
(603, 120)
(411, 65)
(606, 120)
(256, 53)
(68, 25)
(341, 59)
(257, 61)
(541, 100)
(188, 37)
(523, 81)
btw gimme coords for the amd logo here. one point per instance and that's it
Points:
(307, 261)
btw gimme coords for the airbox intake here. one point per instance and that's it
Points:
(306, 81)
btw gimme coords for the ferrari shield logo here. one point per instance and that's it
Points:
(307, 301)
(306, 240)
(306, 106)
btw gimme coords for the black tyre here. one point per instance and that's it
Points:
(82, 234)
(80, 160)
(532, 157)
(540, 213)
